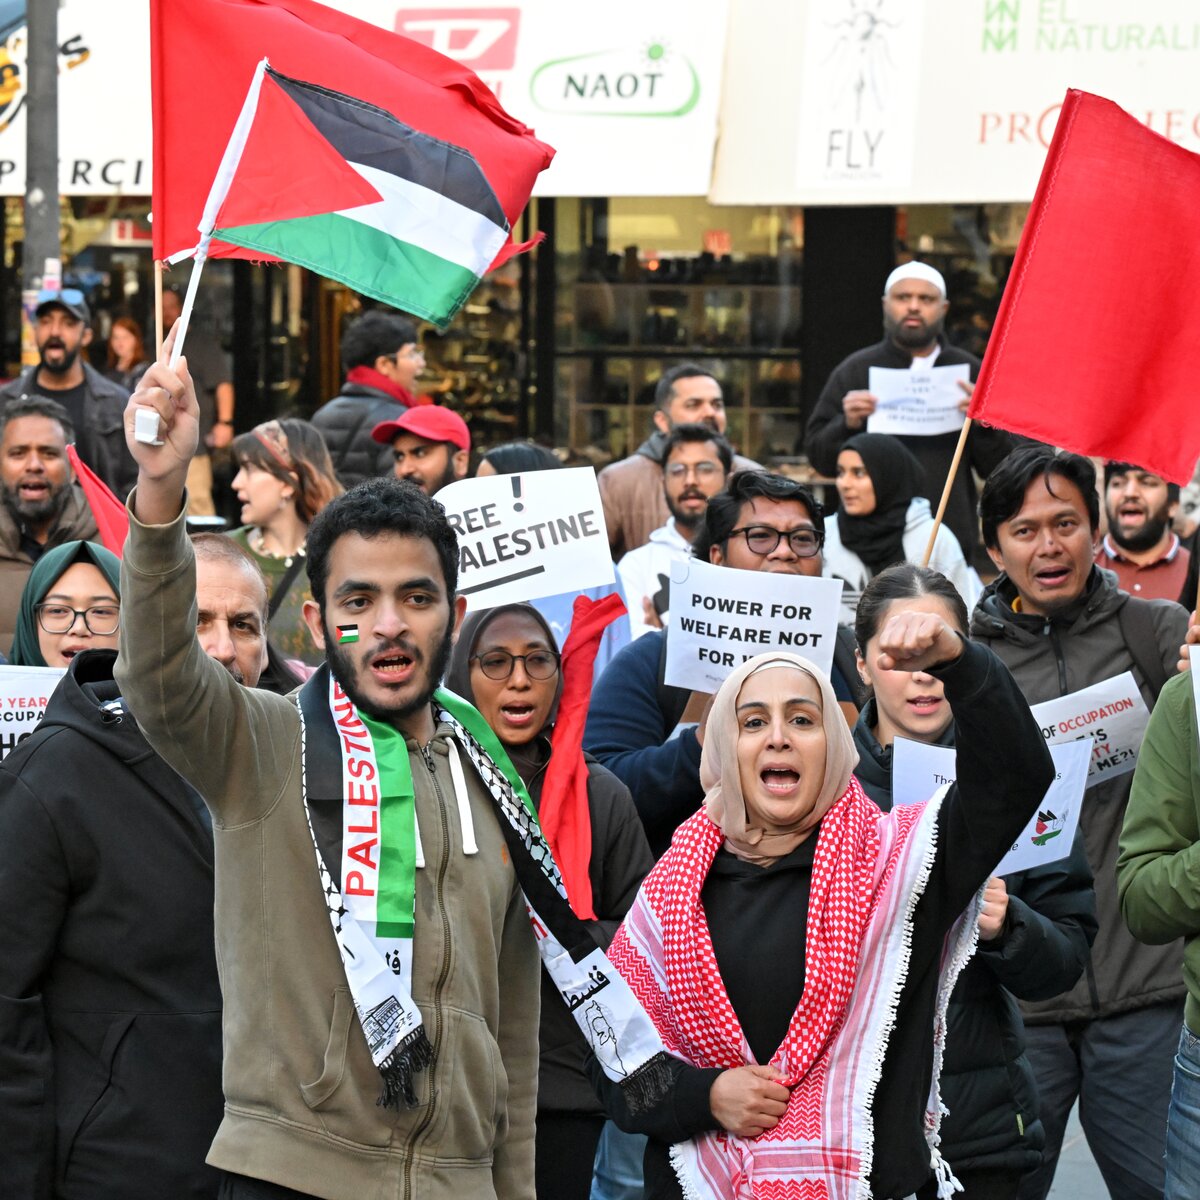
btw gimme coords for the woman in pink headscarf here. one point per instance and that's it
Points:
(795, 947)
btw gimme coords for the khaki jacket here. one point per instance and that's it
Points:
(75, 524)
(300, 1086)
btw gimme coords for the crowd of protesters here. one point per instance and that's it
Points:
(320, 882)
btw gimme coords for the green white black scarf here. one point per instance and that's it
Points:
(358, 796)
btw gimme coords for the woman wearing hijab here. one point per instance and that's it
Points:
(795, 947)
(507, 664)
(884, 521)
(71, 603)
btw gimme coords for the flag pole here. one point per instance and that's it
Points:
(941, 512)
(158, 289)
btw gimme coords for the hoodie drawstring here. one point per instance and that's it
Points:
(464, 801)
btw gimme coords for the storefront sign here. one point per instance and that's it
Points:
(24, 694)
(1111, 715)
(917, 403)
(720, 617)
(522, 537)
(918, 770)
(935, 101)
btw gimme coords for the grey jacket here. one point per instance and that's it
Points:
(101, 441)
(1050, 658)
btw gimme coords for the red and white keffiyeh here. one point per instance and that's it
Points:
(869, 870)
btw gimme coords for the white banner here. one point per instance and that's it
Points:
(522, 537)
(918, 770)
(720, 617)
(24, 693)
(1112, 714)
(628, 96)
(917, 402)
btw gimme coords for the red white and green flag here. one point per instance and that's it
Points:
(355, 152)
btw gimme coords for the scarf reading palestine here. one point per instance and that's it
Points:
(358, 797)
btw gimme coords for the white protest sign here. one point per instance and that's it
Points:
(1195, 691)
(1111, 713)
(917, 402)
(918, 770)
(524, 536)
(24, 692)
(720, 617)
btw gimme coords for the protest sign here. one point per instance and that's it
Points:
(1112, 714)
(720, 617)
(917, 402)
(24, 693)
(918, 770)
(524, 536)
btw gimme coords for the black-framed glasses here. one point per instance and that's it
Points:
(498, 664)
(100, 619)
(762, 540)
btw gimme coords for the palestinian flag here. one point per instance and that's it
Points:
(1048, 826)
(347, 633)
(342, 187)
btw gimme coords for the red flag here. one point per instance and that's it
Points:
(203, 55)
(563, 812)
(1095, 345)
(112, 518)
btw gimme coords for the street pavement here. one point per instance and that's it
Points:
(1077, 1177)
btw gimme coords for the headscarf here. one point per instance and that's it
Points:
(721, 778)
(878, 538)
(26, 650)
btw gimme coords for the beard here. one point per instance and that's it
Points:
(1145, 538)
(916, 338)
(69, 355)
(345, 671)
(36, 512)
(684, 519)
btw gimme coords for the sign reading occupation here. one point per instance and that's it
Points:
(918, 770)
(24, 693)
(521, 537)
(917, 402)
(1111, 713)
(722, 617)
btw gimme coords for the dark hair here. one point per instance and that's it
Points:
(1004, 490)
(376, 333)
(37, 406)
(376, 508)
(1123, 468)
(664, 389)
(904, 581)
(514, 457)
(220, 547)
(300, 444)
(691, 432)
(725, 508)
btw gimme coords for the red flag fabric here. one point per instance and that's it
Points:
(563, 812)
(203, 55)
(112, 518)
(1094, 346)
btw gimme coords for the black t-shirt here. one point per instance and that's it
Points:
(72, 399)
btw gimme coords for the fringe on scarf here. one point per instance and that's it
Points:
(413, 1054)
(649, 1085)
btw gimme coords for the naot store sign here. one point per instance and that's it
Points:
(650, 80)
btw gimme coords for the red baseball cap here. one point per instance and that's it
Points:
(429, 421)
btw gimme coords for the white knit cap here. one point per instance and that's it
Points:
(916, 270)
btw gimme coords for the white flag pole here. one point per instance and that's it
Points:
(216, 197)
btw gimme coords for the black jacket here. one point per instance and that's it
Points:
(827, 430)
(101, 440)
(1000, 753)
(346, 422)
(987, 1082)
(110, 1009)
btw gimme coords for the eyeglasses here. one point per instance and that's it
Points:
(66, 295)
(498, 664)
(704, 470)
(762, 540)
(101, 620)
(411, 353)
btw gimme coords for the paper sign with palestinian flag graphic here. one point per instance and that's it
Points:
(332, 183)
(1048, 825)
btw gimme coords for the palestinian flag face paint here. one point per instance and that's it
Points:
(346, 634)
